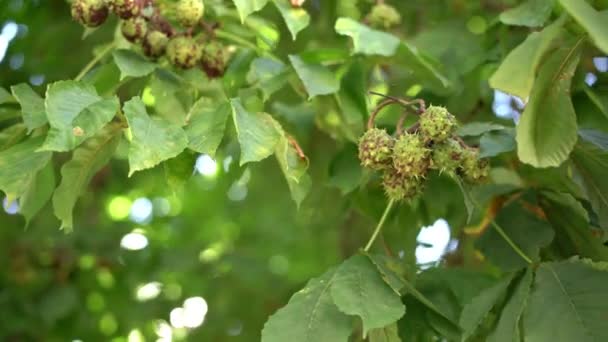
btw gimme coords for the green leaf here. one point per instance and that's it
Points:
(32, 106)
(296, 18)
(424, 71)
(366, 40)
(353, 105)
(267, 74)
(38, 193)
(358, 289)
(154, 139)
(235, 77)
(294, 166)
(19, 164)
(571, 223)
(517, 72)
(478, 128)
(179, 170)
(592, 162)
(569, 302)
(507, 328)
(310, 316)
(389, 333)
(76, 174)
(75, 113)
(246, 7)
(532, 13)
(494, 143)
(475, 312)
(317, 79)
(547, 131)
(257, 133)
(12, 135)
(526, 229)
(5, 96)
(207, 122)
(132, 64)
(172, 100)
(592, 21)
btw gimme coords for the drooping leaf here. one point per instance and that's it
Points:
(571, 223)
(294, 165)
(317, 79)
(19, 164)
(256, 132)
(296, 18)
(569, 302)
(389, 333)
(532, 13)
(507, 328)
(310, 316)
(207, 122)
(547, 131)
(496, 142)
(358, 289)
(32, 106)
(594, 22)
(246, 7)
(475, 312)
(38, 193)
(154, 139)
(76, 174)
(132, 64)
(517, 72)
(478, 128)
(75, 113)
(366, 40)
(592, 162)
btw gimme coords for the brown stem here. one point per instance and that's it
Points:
(372, 117)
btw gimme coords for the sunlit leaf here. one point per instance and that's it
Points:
(246, 7)
(594, 22)
(132, 64)
(532, 13)
(38, 193)
(207, 122)
(32, 106)
(296, 18)
(317, 79)
(366, 40)
(19, 164)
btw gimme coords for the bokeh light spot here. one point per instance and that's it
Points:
(134, 241)
(105, 278)
(148, 291)
(278, 264)
(119, 207)
(477, 25)
(135, 336)
(433, 239)
(141, 210)
(87, 262)
(206, 166)
(108, 324)
(11, 208)
(95, 302)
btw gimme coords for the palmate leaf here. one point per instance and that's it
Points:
(517, 72)
(317, 79)
(310, 316)
(246, 7)
(592, 21)
(19, 164)
(358, 289)
(38, 193)
(154, 140)
(207, 122)
(32, 106)
(132, 64)
(76, 174)
(507, 328)
(569, 302)
(547, 131)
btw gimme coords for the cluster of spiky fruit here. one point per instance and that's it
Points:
(142, 23)
(430, 144)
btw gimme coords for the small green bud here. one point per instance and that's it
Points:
(375, 149)
(384, 16)
(410, 156)
(183, 52)
(155, 44)
(473, 169)
(90, 13)
(189, 12)
(437, 124)
(447, 156)
(399, 187)
(134, 29)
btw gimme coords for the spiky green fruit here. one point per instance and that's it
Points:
(410, 156)
(447, 156)
(437, 124)
(183, 52)
(473, 169)
(134, 29)
(155, 44)
(400, 187)
(384, 16)
(213, 59)
(126, 9)
(90, 13)
(375, 149)
(189, 12)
